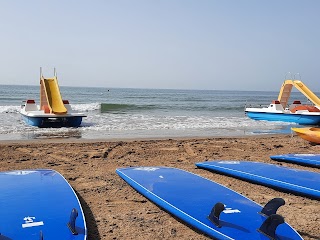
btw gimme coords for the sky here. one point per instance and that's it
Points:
(168, 44)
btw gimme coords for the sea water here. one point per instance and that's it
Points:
(120, 113)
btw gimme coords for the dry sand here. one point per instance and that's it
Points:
(113, 210)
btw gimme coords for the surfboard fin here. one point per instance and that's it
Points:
(270, 225)
(215, 213)
(72, 223)
(272, 206)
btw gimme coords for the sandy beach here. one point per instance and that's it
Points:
(113, 210)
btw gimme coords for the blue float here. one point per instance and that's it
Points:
(39, 204)
(211, 208)
(297, 181)
(312, 160)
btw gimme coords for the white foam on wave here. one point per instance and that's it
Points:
(85, 107)
(119, 122)
(10, 109)
(98, 124)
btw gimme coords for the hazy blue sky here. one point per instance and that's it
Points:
(185, 44)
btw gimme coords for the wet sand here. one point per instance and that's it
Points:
(113, 210)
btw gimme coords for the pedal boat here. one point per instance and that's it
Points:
(33, 116)
(279, 110)
(52, 111)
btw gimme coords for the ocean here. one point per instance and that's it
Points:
(123, 113)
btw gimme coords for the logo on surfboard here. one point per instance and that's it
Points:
(29, 222)
(148, 169)
(230, 210)
(19, 172)
(229, 162)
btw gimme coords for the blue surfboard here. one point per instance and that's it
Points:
(39, 204)
(312, 160)
(289, 179)
(207, 206)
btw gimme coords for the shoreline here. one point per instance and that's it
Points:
(113, 210)
(129, 139)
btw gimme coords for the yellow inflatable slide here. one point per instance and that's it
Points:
(50, 97)
(286, 88)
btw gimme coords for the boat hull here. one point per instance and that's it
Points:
(302, 119)
(65, 121)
